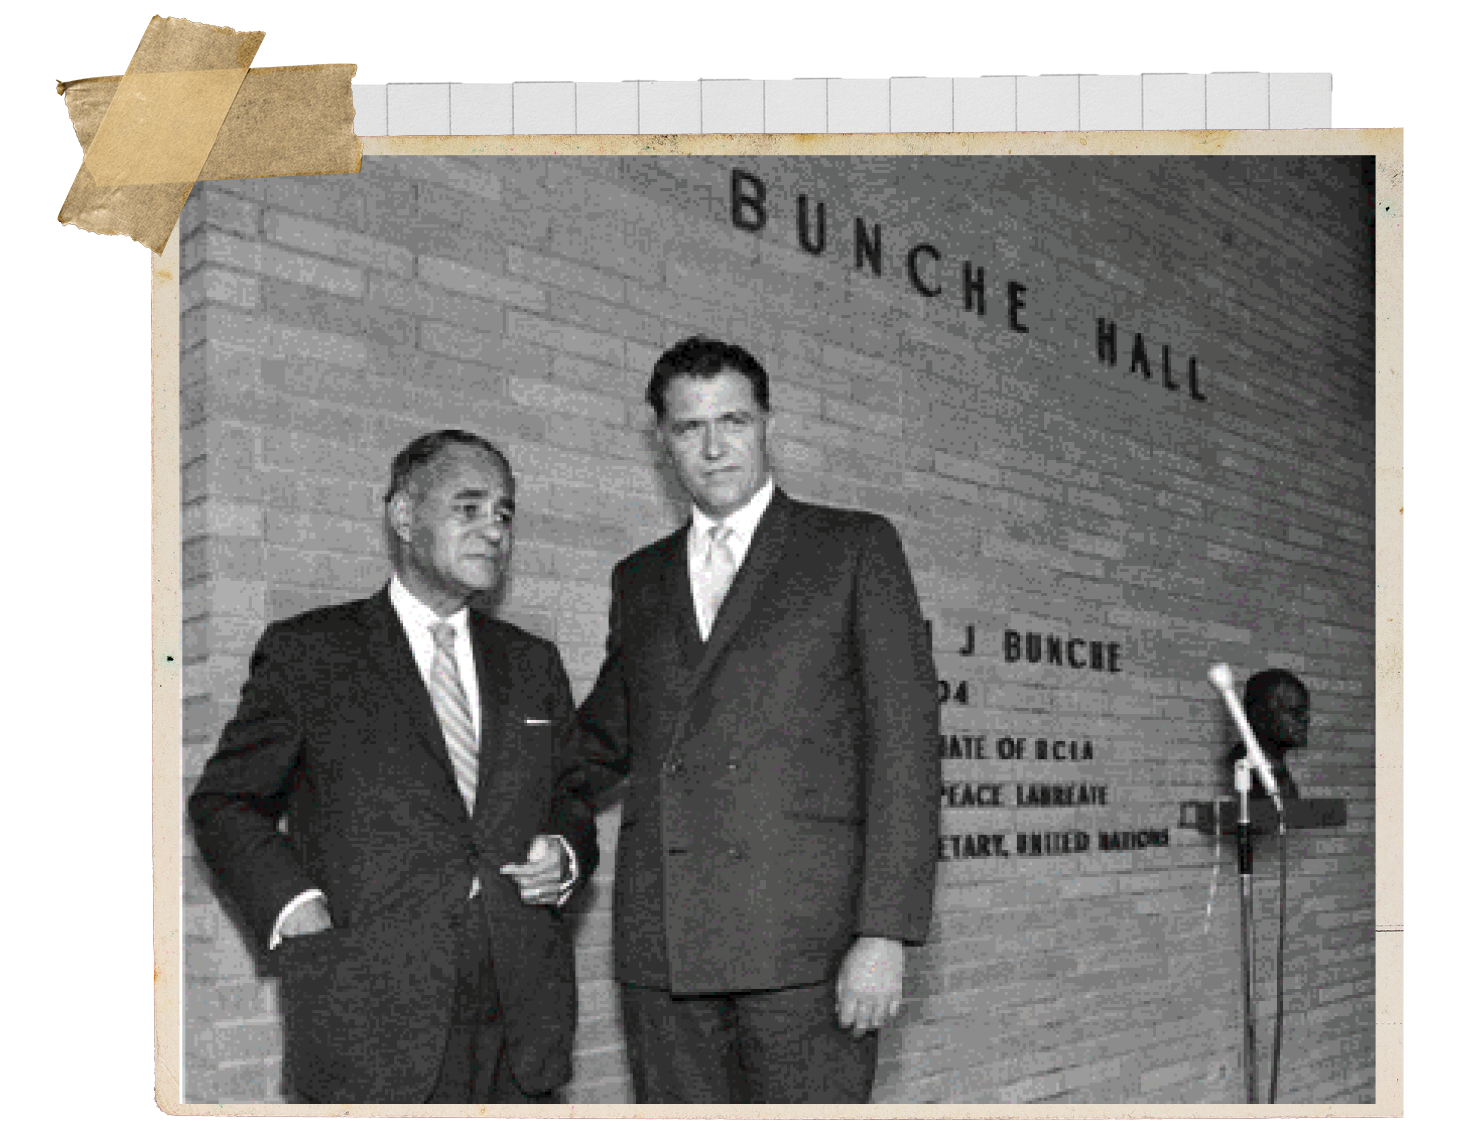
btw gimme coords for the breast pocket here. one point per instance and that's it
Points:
(533, 741)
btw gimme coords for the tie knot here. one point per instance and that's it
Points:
(720, 534)
(445, 636)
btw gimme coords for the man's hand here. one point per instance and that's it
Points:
(540, 875)
(868, 991)
(306, 919)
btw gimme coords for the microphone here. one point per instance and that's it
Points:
(1221, 677)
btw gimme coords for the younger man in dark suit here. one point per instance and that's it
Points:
(769, 691)
(413, 745)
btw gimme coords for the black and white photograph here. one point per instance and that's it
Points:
(723, 629)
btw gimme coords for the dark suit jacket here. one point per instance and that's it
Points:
(784, 776)
(335, 730)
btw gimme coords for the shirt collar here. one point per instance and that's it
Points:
(744, 521)
(415, 615)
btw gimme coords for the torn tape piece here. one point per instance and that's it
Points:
(158, 129)
(161, 127)
(279, 121)
(171, 102)
(289, 121)
(86, 102)
(144, 213)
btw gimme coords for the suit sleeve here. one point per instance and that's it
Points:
(902, 768)
(603, 736)
(245, 788)
(571, 816)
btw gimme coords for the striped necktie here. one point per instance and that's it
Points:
(446, 688)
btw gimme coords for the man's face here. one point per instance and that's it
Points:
(717, 437)
(455, 528)
(1287, 712)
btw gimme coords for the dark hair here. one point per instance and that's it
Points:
(701, 357)
(422, 452)
(1261, 686)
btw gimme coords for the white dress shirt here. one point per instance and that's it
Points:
(417, 622)
(741, 525)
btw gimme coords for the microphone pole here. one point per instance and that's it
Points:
(1221, 676)
(1242, 776)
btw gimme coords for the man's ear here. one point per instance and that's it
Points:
(399, 515)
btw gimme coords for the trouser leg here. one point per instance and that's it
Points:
(682, 1049)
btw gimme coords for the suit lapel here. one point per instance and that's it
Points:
(677, 590)
(494, 685)
(764, 551)
(399, 672)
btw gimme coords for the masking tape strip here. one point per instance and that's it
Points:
(189, 108)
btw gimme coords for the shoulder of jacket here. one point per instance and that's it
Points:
(323, 619)
(835, 518)
(510, 636)
(649, 555)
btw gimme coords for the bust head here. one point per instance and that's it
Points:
(1277, 708)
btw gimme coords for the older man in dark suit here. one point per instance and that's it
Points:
(769, 692)
(411, 902)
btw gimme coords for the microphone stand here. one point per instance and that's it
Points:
(1243, 779)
